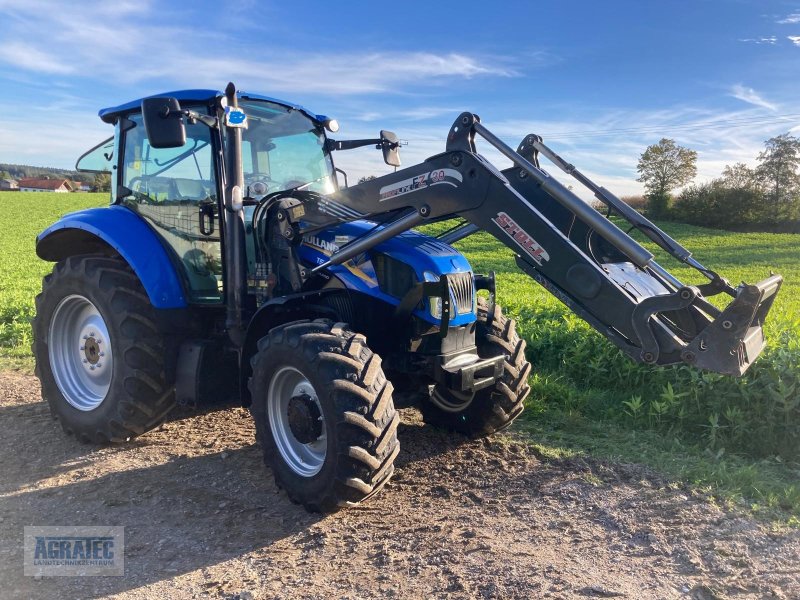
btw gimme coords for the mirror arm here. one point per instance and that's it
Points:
(351, 144)
(193, 116)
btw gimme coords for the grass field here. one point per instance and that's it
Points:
(22, 216)
(738, 438)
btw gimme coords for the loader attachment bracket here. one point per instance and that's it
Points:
(642, 323)
(734, 340)
(427, 289)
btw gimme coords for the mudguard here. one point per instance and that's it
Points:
(88, 231)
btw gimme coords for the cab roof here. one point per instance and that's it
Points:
(110, 114)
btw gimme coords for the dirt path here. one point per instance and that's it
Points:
(462, 519)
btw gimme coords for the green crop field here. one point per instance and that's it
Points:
(737, 437)
(22, 216)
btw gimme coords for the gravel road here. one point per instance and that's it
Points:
(460, 519)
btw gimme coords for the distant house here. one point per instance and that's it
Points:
(8, 185)
(44, 185)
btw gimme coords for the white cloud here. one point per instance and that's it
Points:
(607, 147)
(137, 44)
(770, 40)
(795, 39)
(790, 19)
(368, 116)
(749, 95)
(45, 136)
(128, 43)
(25, 56)
(423, 113)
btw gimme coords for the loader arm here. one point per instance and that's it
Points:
(566, 245)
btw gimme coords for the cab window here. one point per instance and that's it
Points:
(175, 190)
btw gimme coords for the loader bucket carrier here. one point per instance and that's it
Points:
(232, 263)
(581, 256)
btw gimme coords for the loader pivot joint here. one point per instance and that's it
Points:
(462, 133)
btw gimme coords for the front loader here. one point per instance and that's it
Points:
(232, 262)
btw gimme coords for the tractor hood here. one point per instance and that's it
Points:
(422, 253)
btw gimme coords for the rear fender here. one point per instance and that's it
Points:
(116, 229)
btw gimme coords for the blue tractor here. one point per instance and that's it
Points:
(233, 261)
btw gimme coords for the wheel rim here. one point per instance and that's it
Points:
(79, 349)
(304, 459)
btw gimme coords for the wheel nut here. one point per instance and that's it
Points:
(86, 337)
(102, 354)
(85, 361)
(83, 347)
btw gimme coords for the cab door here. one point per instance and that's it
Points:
(175, 191)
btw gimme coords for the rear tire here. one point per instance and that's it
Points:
(494, 408)
(99, 354)
(341, 450)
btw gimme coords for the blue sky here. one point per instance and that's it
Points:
(601, 80)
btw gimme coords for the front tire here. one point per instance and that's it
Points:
(99, 354)
(324, 414)
(494, 408)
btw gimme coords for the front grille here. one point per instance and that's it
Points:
(461, 291)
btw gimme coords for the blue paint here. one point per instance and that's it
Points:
(128, 234)
(421, 252)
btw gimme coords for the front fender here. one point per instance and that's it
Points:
(117, 227)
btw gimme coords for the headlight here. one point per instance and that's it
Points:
(435, 303)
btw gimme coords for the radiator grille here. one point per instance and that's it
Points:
(461, 291)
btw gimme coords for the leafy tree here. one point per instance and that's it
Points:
(662, 168)
(778, 172)
(101, 183)
(366, 178)
(5, 175)
(739, 177)
(717, 204)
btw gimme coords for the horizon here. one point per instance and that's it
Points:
(600, 83)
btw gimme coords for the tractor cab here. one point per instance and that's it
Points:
(178, 190)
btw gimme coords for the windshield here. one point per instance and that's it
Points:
(282, 148)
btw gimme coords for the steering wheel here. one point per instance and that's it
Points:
(259, 185)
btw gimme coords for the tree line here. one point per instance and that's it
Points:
(99, 182)
(9, 171)
(765, 197)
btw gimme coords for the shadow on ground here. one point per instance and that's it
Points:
(207, 497)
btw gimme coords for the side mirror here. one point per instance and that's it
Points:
(163, 122)
(391, 148)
